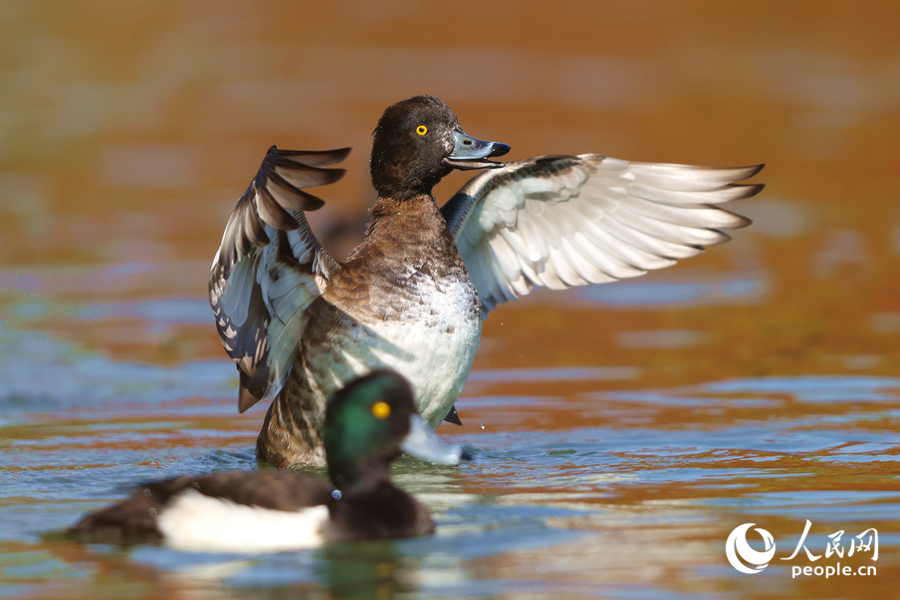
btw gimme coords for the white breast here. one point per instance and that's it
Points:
(433, 346)
(204, 524)
(436, 361)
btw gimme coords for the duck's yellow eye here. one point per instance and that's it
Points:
(381, 410)
(421, 130)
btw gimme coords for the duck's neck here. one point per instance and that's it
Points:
(392, 206)
(413, 231)
(358, 473)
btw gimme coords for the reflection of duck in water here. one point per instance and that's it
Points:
(411, 297)
(369, 570)
(367, 424)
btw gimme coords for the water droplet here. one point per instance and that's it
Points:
(482, 425)
(336, 494)
(152, 512)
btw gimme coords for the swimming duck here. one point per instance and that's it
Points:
(299, 324)
(367, 425)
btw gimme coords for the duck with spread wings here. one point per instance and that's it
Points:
(411, 297)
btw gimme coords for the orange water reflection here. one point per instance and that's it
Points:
(128, 131)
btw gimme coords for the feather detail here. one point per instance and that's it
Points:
(564, 221)
(268, 268)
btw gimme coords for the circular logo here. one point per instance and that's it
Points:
(737, 546)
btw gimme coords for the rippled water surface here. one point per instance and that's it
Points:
(621, 432)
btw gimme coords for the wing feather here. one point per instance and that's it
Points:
(561, 221)
(268, 269)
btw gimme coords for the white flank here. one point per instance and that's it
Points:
(205, 524)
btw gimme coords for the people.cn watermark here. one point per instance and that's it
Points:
(749, 560)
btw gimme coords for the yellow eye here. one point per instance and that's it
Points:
(421, 130)
(381, 410)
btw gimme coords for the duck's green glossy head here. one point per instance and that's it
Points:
(372, 421)
(417, 142)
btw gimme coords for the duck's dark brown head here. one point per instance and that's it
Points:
(417, 142)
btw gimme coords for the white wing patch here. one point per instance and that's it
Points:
(564, 221)
(201, 523)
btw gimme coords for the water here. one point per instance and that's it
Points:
(620, 432)
(635, 500)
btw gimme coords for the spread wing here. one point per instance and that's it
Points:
(563, 221)
(269, 269)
